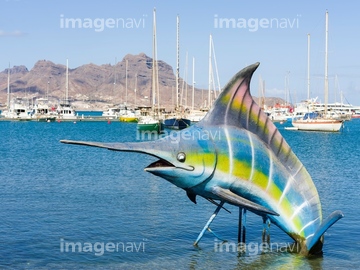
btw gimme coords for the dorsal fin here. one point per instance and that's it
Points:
(236, 107)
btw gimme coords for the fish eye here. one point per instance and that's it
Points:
(181, 156)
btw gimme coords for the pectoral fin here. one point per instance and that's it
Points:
(191, 195)
(232, 198)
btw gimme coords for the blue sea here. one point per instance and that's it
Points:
(74, 207)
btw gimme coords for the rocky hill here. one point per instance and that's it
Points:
(96, 87)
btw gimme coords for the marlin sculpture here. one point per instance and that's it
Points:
(236, 155)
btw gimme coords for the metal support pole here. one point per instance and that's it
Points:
(206, 227)
(266, 231)
(242, 225)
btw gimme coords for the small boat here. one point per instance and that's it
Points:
(150, 119)
(42, 111)
(112, 112)
(150, 124)
(196, 116)
(130, 116)
(291, 128)
(324, 121)
(18, 110)
(278, 114)
(316, 122)
(356, 114)
(64, 110)
(177, 123)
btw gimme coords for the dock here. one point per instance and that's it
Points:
(78, 119)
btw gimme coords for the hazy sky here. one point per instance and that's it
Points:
(271, 32)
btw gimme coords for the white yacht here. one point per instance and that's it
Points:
(65, 112)
(114, 112)
(19, 109)
(43, 111)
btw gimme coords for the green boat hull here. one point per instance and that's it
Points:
(156, 127)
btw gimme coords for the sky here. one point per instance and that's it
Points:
(273, 33)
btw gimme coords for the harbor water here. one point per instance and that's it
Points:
(74, 207)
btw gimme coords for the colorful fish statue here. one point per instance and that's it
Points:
(236, 155)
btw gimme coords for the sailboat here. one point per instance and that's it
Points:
(17, 108)
(64, 110)
(178, 121)
(150, 121)
(320, 121)
(195, 115)
(129, 115)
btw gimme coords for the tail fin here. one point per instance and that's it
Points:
(314, 243)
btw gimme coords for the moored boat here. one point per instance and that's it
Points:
(150, 119)
(324, 120)
(315, 122)
(128, 118)
(64, 110)
(18, 110)
(356, 114)
(149, 124)
(196, 116)
(177, 123)
(130, 115)
(43, 111)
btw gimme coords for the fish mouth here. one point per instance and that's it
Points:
(164, 165)
(161, 163)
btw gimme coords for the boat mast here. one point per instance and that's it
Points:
(67, 82)
(308, 67)
(8, 88)
(216, 69)
(193, 85)
(326, 88)
(185, 82)
(260, 93)
(157, 94)
(48, 87)
(263, 91)
(177, 62)
(126, 77)
(154, 61)
(337, 88)
(135, 88)
(210, 73)
(114, 76)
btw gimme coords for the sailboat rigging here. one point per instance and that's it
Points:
(151, 121)
(316, 121)
(177, 121)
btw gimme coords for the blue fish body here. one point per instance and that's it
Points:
(237, 155)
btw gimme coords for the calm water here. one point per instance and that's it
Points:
(53, 195)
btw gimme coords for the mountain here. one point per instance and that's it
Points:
(96, 87)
